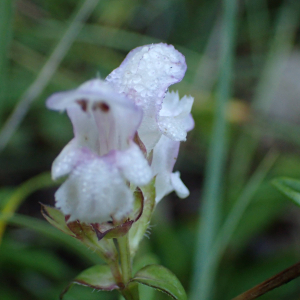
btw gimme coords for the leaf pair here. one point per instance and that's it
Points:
(158, 277)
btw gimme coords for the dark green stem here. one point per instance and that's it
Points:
(130, 290)
(115, 270)
(125, 258)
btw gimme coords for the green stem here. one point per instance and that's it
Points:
(125, 258)
(107, 251)
(130, 290)
(115, 270)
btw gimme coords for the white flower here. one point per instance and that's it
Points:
(144, 76)
(102, 156)
(115, 122)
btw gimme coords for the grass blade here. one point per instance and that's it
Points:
(46, 73)
(45, 229)
(6, 12)
(216, 157)
(19, 195)
(232, 221)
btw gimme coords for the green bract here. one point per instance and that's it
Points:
(98, 277)
(161, 278)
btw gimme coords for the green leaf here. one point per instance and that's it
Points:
(84, 232)
(138, 205)
(139, 228)
(56, 218)
(144, 260)
(161, 278)
(146, 292)
(289, 187)
(98, 277)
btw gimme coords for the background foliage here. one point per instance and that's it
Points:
(37, 261)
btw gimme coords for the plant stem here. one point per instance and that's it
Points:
(115, 270)
(125, 258)
(130, 291)
(270, 284)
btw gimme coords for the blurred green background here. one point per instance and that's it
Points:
(263, 115)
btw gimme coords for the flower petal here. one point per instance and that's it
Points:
(95, 192)
(168, 182)
(163, 186)
(92, 91)
(179, 187)
(134, 165)
(68, 159)
(164, 157)
(175, 118)
(144, 76)
(102, 119)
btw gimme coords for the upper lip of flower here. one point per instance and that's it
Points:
(94, 106)
(144, 76)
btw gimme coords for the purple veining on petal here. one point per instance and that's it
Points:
(94, 90)
(102, 119)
